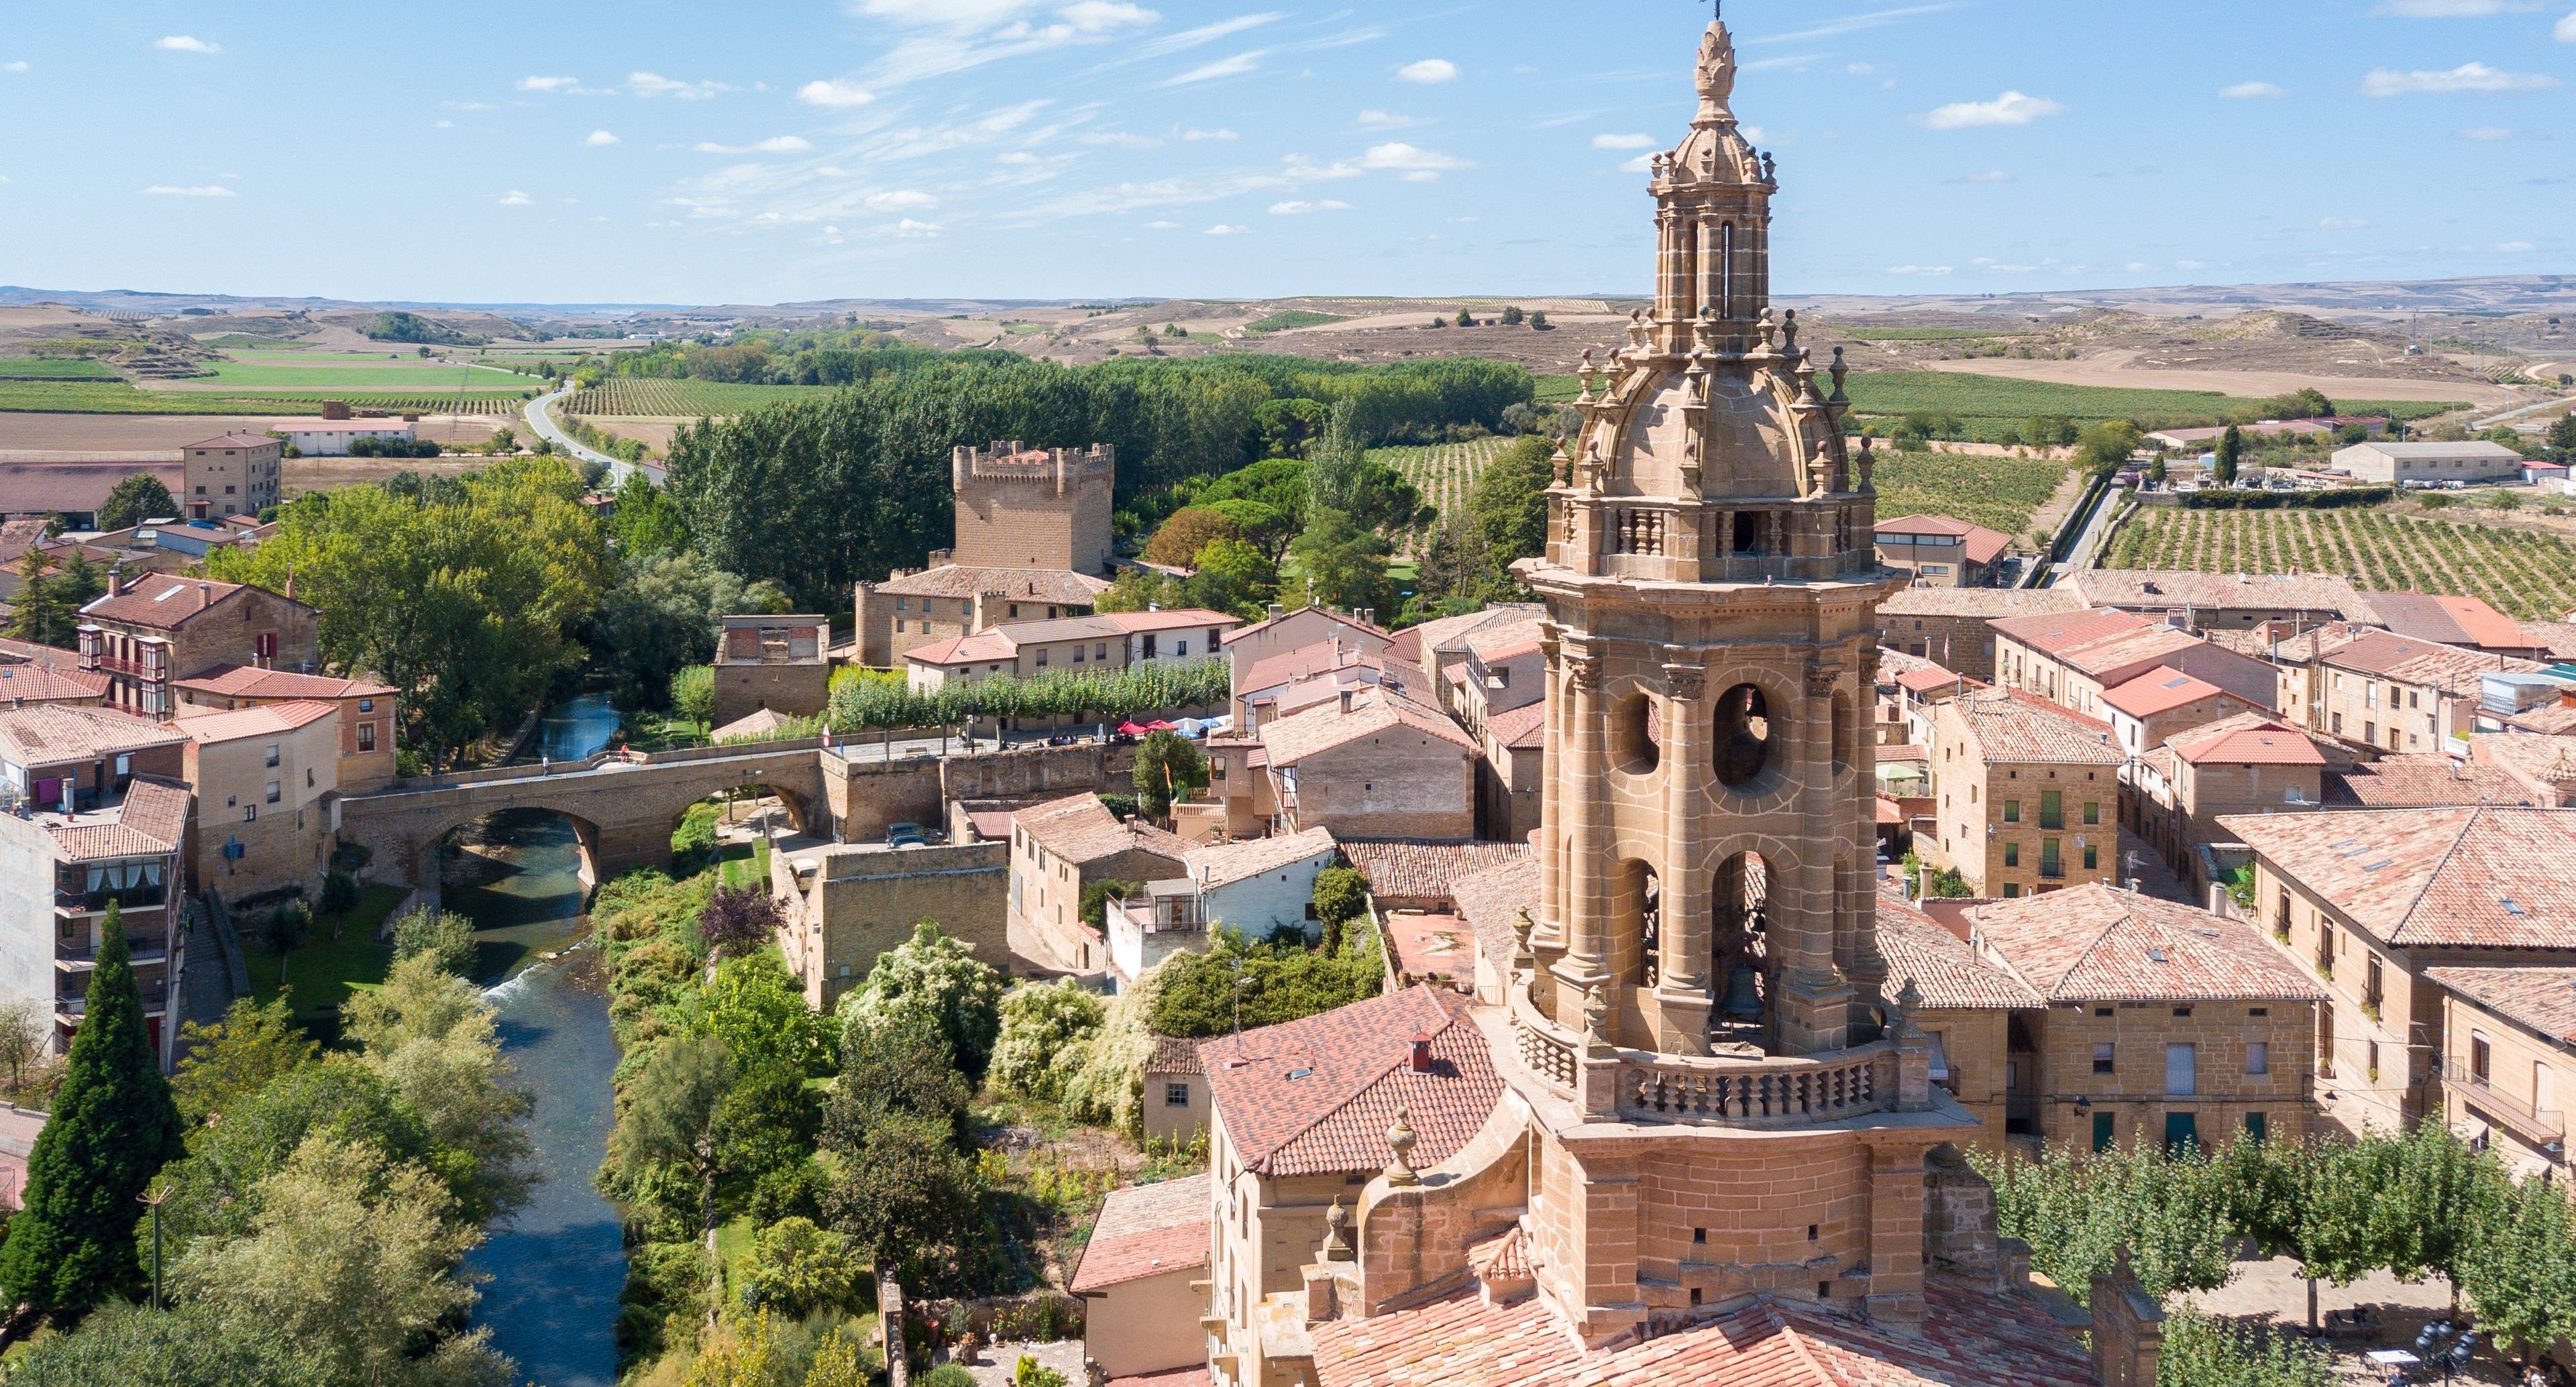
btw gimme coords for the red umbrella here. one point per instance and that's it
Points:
(1131, 729)
(1158, 725)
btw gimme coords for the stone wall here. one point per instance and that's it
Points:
(798, 690)
(2134, 1093)
(1053, 513)
(845, 906)
(1399, 784)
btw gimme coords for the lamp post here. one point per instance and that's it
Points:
(152, 1200)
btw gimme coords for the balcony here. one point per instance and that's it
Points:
(73, 904)
(80, 956)
(2538, 1127)
(151, 672)
(1714, 1091)
(69, 1010)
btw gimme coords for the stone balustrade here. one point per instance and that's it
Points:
(1719, 1091)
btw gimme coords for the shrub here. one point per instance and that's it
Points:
(339, 893)
(1341, 896)
(287, 925)
(693, 693)
(1282, 983)
(951, 1374)
(941, 976)
(448, 939)
(738, 920)
(694, 842)
(1046, 1030)
(796, 1268)
(1097, 896)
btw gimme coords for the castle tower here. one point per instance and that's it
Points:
(1040, 508)
(1707, 833)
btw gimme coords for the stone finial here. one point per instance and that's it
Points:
(1838, 371)
(1637, 328)
(1868, 464)
(1717, 66)
(1522, 927)
(1337, 1247)
(1596, 1019)
(1789, 332)
(1400, 1141)
(1909, 1000)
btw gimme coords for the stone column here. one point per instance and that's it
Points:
(1815, 1005)
(1682, 996)
(1896, 1235)
(1551, 813)
(1580, 784)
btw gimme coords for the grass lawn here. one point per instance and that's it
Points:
(749, 871)
(321, 973)
(656, 732)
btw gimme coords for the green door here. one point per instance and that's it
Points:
(2181, 1128)
(2101, 1131)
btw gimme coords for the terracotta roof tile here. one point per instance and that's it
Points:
(2421, 780)
(1146, 1230)
(2543, 999)
(2489, 878)
(1983, 545)
(1373, 713)
(46, 683)
(2446, 620)
(1056, 585)
(2171, 590)
(2369, 650)
(1174, 1055)
(2013, 727)
(1425, 869)
(1491, 902)
(1222, 864)
(250, 681)
(1988, 603)
(2558, 637)
(1522, 729)
(1354, 623)
(52, 734)
(150, 820)
(2163, 689)
(1945, 969)
(1315, 1096)
(2264, 744)
(1170, 1377)
(258, 720)
(2054, 633)
(2096, 943)
(1446, 635)
(1081, 829)
(162, 601)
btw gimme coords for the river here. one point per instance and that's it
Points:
(556, 1267)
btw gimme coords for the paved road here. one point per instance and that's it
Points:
(546, 428)
(2089, 544)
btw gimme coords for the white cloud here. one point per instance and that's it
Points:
(1162, 226)
(186, 43)
(1205, 33)
(775, 144)
(1855, 23)
(2487, 133)
(1120, 139)
(2516, 247)
(2342, 223)
(1235, 66)
(1374, 119)
(1097, 16)
(835, 96)
(650, 84)
(1643, 163)
(1302, 208)
(18, 66)
(442, 125)
(2002, 267)
(2136, 267)
(1201, 136)
(2191, 264)
(2467, 77)
(1221, 229)
(202, 190)
(548, 84)
(1016, 157)
(909, 227)
(2251, 91)
(2011, 108)
(1989, 176)
(2454, 9)
(1623, 142)
(1413, 161)
(2565, 32)
(901, 200)
(1933, 270)
(1430, 72)
(600, 139)
(515, 198)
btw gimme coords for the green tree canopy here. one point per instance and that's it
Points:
(1188, 530)
(1168, 767)
(938, 976)
(1044, 1027)
(135, 499)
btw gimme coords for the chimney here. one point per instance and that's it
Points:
(116, 581)
(2135, 888)
(1346, 702)
(205, 596)
(1274, 611)
(1421, 1053)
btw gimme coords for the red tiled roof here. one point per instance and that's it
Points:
(1948, 973)
(2010, 726)
(1983, 545)
(2422, 780)
(1223, 864)
(44, 683)
(1146, 1230)
(1989, 603)
(52, 734)
(1060, 586)
(1934, 679)
(2484, 878)
(1432, 945)
(2053, 633)
(250, 681)
(162, 601)
(1491, 901)
(1969, 1338)
(258, 720)
(1425, 869)
(2543, 999)
(1173, 1055)
(988, 644)
(2163, 689)
(2268, 744)
(1170, 1377)
(1081, 829)
(1316, 1096)
(1373, 712)
(2447, 620)
(2096, 943)
(2370, 650)
(1352, 622)
(2173, 590)
(151, 820)
(1522, 729)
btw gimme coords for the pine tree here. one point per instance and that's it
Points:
(40, 614)
(2231, 446)
(113, 1127)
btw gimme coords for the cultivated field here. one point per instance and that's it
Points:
(112, 433)
(2526, 575)
(2000, 493)
(1983, 404)
(1445, 472)
(685, 399)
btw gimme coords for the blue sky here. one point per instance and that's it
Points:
(759, 152)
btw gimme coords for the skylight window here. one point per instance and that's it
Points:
(2511, 906)
(1301, 1073)
(2176, 683)
(2156, 956)
(2383, 862)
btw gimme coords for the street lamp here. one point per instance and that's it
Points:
(152, 1200)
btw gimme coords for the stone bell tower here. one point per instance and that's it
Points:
(1711, 583)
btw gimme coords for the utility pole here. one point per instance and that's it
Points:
(153, 1202)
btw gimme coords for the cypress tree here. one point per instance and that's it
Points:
(114, 1125)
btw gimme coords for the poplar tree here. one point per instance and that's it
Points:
(113, 1127)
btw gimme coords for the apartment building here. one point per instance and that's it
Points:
(369, 712)
(231, 474)
(2160, 1023)
(2025, 794)
(1372, 764)
(2378, 689)
(1950, 626)
(2173, 796)
(2072, 659)
(2509, 1061)
(266, 779)
(148, 634)
(2370, 901)
(1940, 551)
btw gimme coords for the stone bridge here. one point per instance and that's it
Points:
(625, 810)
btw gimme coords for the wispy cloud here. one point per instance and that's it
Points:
(2516, 247)
(2486, 134)
(1221, 229)
(1300, 208)
(2251, 91)
(2455, 9)
(1933, 270)
(549, 84)
(909, 227)
(1429, 72)
(1989, 176)
(1162, 226)
(186, 43)
(1204, 136)
(1119, 139)
(775, 144)
(1235, 66)
(2342, 223)
(1623, 142)
(901, 200)
(200, 190)
(834, 95)
(2467, 77)
(600, 139)
(1852, 24)
(1186, 39)
(953, 36)
(652, 84)
(18, 66)
(2565, 32)
(515, 198)
(1415, 164)
(1375, 119)
(2011, 108)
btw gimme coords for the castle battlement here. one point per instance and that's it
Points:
(1011, 463)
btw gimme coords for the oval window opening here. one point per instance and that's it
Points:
(1743, 736)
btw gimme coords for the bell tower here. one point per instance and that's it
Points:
(1706, 839)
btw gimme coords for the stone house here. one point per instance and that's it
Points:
(2510, 1059)
(1238, 798)
(2172, 797)
(1257, 885)
(778, 663)
(1108, 641)
(1501, 673)
(1952, 627)
(2207, 602)
(367, 712)
(842, 905)
(2418, 780)
(2148, 710)
(1941, 552)
(99, 815)
(1137, 1277)
(2466, 622)
(2375, 688)
(2026, 795)
(1440, 646)
(1174, 1105)
(1967, 1004)
(1372, 765)
(1283, 631)
(267, 781)
(2160, 1023)
(2369, 900)
(232, 474)
(2073, 659)
(1057, 849)
(147, 634)
(1508, 782)
(916, 608)
(32, 673)
(2544, 766)
(1281, 684)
